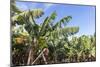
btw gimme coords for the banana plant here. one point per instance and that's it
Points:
(46, 31)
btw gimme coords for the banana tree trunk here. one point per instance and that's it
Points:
(29, 57)
(41, 54)
(31, 53)
(55, 57)
(44, 58)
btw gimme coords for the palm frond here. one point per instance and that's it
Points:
(25, 15)
(64, 21)
(47, 21)
(65, 31)
(15, 9)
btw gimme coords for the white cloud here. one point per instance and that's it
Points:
(47, 6)
(22, 6)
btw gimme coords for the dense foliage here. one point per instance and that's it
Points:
(48, 42)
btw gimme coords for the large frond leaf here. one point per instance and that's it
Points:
(15, 9)
(47, 21)
(65, 31)
(25, 15)
(64, 21)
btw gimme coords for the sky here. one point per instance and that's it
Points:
(82, 15)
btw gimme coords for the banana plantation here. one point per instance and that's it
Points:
(49, 42)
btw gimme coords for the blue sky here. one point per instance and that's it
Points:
(82, 16)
